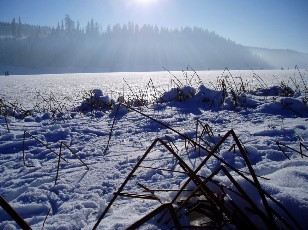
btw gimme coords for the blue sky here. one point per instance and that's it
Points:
(263, 23)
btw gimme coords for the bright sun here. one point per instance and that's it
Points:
(145, 2)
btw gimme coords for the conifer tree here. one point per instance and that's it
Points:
(13, 26)
(19, 28)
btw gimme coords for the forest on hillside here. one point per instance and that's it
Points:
(128, 47)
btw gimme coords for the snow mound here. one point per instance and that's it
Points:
(95, 100)
(273, 100)
(177, 94)
(285, 105)
(212, 96)
(281, 90)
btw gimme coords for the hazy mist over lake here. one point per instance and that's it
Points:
(128, 47)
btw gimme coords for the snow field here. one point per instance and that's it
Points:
(81, 195)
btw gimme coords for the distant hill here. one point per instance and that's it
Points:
(280, 58)
(129, 47)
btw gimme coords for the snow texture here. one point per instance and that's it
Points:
(260, 116)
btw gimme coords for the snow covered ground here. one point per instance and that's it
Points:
(269, 118)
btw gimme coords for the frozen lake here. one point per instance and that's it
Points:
(24, 88)
(272, 130)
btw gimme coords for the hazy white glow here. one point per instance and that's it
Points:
(145, 2)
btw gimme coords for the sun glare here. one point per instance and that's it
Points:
(145, 2)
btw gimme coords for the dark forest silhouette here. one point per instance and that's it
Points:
(127, 47)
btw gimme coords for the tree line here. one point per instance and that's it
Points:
(128, 47)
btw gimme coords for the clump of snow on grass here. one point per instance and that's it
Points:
(95, 100)
(177, 94)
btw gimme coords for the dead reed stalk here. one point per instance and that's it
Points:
(15, 216)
